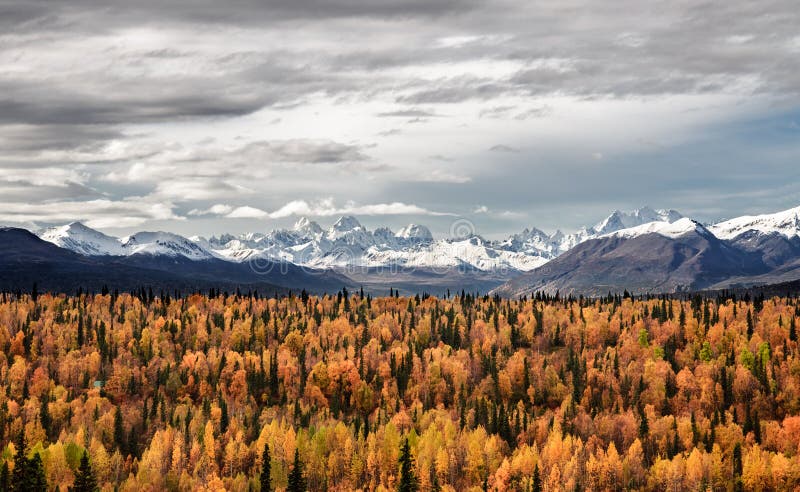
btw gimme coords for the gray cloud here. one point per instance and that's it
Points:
(21, 191)
(285, 100)
(409, 113)
(503, 148)
(305, 151)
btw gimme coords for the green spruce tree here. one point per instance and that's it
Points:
(297, 482)
(84, 479)
(35, 479)
(5, 477)
(408, 481)
(19, 477)
(266, 479)
(536, 485)
(120, 439)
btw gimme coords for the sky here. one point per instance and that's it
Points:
(205, 117)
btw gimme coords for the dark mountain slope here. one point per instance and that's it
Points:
(646, 263)
(25, 259)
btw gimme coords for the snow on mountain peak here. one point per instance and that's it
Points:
(164, 243)
(348, 242)
(786, 223)
(78, 237)
(346, 223)
(415, 231)
(619, 220)
(667, 229)
(307, 226)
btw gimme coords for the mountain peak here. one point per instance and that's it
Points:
(619, 220)
(667, 229)
(164, 243)
(346, 223)
(786, 223)
(304, 224)
(82, 239)
(79, 225)
(415, 231)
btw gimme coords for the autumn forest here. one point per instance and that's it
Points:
(236, 391)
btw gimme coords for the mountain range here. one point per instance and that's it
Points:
(681, 256)
(644, 250)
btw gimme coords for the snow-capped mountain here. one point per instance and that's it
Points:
(649, 250)
(415, 232)
(83, 240)
(348, 243)
(626, 220)
(535, 242)
(671, 230)
(785, 223)
(86, 241)
(656, 257)
(164, 244)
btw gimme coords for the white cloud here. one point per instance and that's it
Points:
(246, 213)
(484, 210)
(95, 213)
(326, 208)
(181, 190)
(230, 212)
(218, 209)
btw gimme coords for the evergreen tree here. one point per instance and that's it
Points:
(80, 330)
(408, 481)
(644, 427)
(84, 479)
(223, 419)
(536, 486)
(266, 479)
(120, 439)
(20, 464)
(435, 487)
(297, 483)
(35, 479)
(737, 460)
(44, 417)
(5, 477)
(28, 474)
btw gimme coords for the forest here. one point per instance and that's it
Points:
(235, 391)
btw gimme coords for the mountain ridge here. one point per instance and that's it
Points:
(348, 243)
(664, 257)
(614, 254)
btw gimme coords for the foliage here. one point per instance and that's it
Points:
(151, 391)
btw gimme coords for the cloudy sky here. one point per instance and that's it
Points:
(205, 116)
